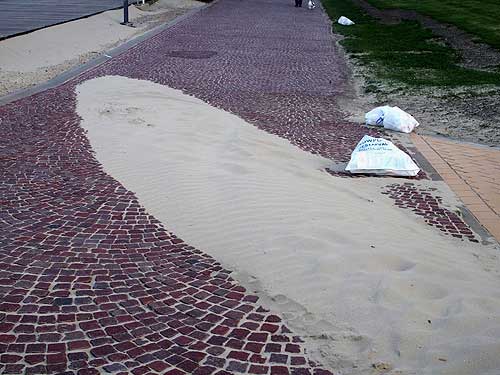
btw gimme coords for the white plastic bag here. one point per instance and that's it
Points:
(392, 118)
(311, 5)
(345, 21)
(380, 156)
(376, 116)
(398, 120)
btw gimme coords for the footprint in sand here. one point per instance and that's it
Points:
(280, 299)
(136, 121)
(395, 263)
(130, 110)
(422, 290)
(106, 111)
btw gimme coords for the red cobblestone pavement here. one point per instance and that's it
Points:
(89, 282)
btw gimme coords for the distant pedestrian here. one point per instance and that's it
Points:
(298, 3)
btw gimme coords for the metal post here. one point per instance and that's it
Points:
(125, 13)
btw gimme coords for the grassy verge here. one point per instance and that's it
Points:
(477, 17)
(405, 53)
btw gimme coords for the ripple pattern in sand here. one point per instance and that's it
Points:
(265, 207)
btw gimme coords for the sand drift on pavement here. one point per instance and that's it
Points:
(334, 253)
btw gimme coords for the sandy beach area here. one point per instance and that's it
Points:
(369, 286)
(36, 57)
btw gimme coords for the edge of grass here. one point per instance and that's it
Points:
(477, 17)
(405, 54)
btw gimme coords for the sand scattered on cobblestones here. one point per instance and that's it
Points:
(366, 293)
(36, 57)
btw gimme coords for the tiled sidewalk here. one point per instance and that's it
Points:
(472, 172)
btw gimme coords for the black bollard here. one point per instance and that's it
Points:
(125, 13)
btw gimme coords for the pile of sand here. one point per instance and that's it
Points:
(370, 286)
(36, 57)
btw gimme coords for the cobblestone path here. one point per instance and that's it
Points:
(272, 64)
(89, 282)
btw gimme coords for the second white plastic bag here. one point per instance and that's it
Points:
(376, 116)
(398, 120)
(345, 21)
(392, 118)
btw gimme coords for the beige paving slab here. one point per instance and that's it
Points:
(472, 172)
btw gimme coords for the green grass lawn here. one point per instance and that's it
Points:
(477, 17)
(404, 53)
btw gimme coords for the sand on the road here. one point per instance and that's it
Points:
(363, 281)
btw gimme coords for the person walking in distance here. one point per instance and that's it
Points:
(298, 3)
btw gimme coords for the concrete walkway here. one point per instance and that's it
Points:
(21, 16)
(472, 172)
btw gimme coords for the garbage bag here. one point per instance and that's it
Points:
(376, 116)
(381, 157)
(392, 118)
(398, 120)
(345, 21)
